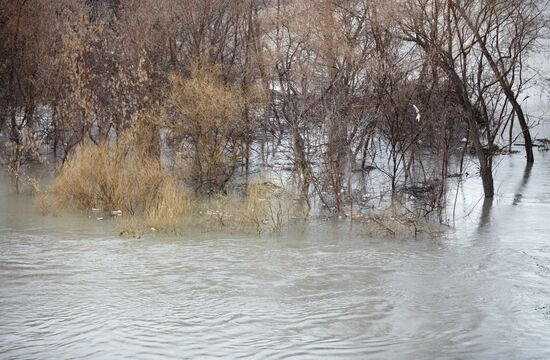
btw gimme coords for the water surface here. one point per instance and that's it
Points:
(71, 288)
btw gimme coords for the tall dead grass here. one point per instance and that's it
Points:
(114, 178)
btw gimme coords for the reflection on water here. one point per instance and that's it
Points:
(484, 217)
(71, 289)
(519, 193)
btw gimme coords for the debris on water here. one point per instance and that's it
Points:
(493, 149)
(543, 144)
(420, 190)
(366, 168)
(509, 152)
(99, 219)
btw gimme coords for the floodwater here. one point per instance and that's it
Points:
(71, 288)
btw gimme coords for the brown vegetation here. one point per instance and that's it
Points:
(143, 195)
(264, 207)
(115, 178)
(205, 118)
(341, 90)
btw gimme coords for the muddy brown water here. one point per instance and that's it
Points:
(71, 288)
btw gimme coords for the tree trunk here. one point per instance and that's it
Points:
(485, 159)
(301, 162)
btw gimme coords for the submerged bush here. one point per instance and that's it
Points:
(263, 207)
(397, 222)
(269, 206)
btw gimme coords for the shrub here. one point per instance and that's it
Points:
(206, 121)
(263, 207)
(114, 178)
(397, 222)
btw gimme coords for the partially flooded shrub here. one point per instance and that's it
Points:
(115, 179)
(263, 207)
(144, 196)
(18, 155)
(269, 206)
(396, 222)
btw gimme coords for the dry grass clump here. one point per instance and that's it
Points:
(263, 207)
(171, 207)
(115, 179)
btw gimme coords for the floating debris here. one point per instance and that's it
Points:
(116, 213)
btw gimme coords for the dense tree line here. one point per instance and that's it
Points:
(341, 86)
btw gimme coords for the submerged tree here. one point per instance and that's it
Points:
(477, 57)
